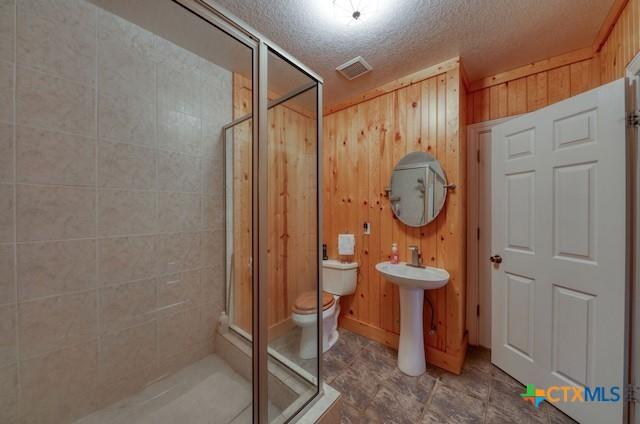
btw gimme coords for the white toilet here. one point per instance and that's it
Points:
(338, 279)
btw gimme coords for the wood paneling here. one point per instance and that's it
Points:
(405, 81)
(531, 92)
(622, 44)
(361, 146)
(533, 68)
(609, 22)
(517, 96)
(548, 81)
(292, 240)
(241, 284)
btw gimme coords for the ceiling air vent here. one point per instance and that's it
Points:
(354, 68)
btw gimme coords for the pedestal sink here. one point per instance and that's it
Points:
(412, 282)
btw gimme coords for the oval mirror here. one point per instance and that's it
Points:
(418, 189)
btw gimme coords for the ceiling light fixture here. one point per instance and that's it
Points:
(351, 12)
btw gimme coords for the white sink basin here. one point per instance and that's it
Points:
(413, 278)
(412, 282)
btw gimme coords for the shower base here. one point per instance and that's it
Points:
(206, 392)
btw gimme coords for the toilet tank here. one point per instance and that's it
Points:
(339, 278)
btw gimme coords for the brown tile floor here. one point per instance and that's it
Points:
(375, 391)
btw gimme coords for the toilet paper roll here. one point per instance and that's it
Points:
(346, 244)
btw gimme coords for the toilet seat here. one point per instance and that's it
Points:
(307, 320)
(305, 304)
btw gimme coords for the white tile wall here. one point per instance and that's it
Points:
(111, 212)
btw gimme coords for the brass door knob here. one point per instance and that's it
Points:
(496, 259)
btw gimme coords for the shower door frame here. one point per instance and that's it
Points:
(260, 47)
(229, 301)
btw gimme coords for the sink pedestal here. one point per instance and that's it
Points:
(411, 358)
(412, 282)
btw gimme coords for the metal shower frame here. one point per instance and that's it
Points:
(260, 47)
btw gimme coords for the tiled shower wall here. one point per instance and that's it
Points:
(111, 208)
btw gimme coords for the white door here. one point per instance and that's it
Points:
(558, 297)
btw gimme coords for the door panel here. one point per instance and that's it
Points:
(520, 211)
(519, 319)
(558, 201)
(572, 326)
(520, 144)
(574, 130)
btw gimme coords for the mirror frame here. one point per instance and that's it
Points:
(446, 186)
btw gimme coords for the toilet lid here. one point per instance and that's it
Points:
(306, 303)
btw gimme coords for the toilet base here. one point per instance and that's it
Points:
(308, 342)
(308, 337)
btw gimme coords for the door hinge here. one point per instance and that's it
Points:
(478, 233)
(633, 119)
(478, 155)
(632, 393)
(477, 310)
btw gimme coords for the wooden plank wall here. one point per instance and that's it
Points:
(530, 92)
(241, 284)
(622, 44)
(362, 143)
(291, 207)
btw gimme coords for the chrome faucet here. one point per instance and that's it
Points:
(416, 257)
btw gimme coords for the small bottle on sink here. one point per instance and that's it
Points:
(395, 254)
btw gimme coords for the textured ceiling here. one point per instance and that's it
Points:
(491, 36)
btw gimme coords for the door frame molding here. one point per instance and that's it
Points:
(633, 244)
(475, 296)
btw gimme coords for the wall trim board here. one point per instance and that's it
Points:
(396, 84)
(464, 77)
(609, 23)
(380, 335)
(533, 68)
(451, 362)
(280, 329)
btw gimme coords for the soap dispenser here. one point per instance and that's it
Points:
(395, 255)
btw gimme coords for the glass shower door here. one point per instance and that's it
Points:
(292, 237)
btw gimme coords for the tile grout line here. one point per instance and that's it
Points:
(37, 127)
(15, 213)
(485, 408)
(104, 139)
(117, 236)
(427, 404)
(51, 74)
(106, 188)
(96, 199)
(156, 186)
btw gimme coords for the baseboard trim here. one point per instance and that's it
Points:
(281, 328)
(448, 361)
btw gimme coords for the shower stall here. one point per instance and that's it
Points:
(159, 216)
